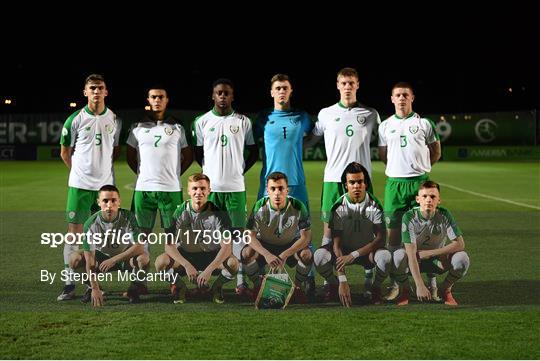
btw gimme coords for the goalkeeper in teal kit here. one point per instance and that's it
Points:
(282, 130)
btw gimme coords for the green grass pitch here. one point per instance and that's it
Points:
(498, 316)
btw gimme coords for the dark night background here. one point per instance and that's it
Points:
(466, 67)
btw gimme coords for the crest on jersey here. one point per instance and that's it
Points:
(234, 129)
(361, 119)
(71, 215)
(414, 129)
(64, 131)
(109, 128)
(294, 120)
(336, 120)
(403, 226)
(289, 223)
(169, 131)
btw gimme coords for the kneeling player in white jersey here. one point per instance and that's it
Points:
(203, 242)
(424, 232)
(111, 243)
(279, 234)
(358, 237)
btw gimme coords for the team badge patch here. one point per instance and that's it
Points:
(234, 129)
(289, 223)
(336, 120)
(361, 119)
(403, 227)
(109, 128)
(387, 219)
(72, 215)
(168, 130)
(413, 129)
(294, 120)
(64, 131)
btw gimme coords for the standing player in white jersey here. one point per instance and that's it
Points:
(159, 153)
(425, 230)
(409, 146)
(88, 145)
(347, 127)
(220, 137)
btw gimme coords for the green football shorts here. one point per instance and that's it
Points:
(234, 203)
(145, 205)
(81, 203)
(400, 196)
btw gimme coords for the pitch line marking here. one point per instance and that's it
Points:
(490, 197)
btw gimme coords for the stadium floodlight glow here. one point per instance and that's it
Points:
(7, 101)
(72, 105)
(147, 107)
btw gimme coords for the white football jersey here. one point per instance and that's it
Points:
(279, 227)
(110, 238)
(93, 137)
(354, 221)
(159, 148)
(223, 139)
(347, 134)
(429, 233)
(407, 142)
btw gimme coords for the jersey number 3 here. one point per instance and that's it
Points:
(403, 141)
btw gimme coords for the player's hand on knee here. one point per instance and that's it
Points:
(106, 265)
(342, 261)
